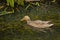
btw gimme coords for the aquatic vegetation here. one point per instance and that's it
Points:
(10, 2)
(6, 12)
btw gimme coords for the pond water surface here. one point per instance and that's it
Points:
(11, 28)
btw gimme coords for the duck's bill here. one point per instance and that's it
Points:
(23, 19)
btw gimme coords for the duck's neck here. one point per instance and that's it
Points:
(28, 20)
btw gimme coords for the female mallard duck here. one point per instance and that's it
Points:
(37, 23)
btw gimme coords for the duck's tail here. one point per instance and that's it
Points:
(51, 24)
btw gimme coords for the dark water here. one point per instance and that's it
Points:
(11, 28)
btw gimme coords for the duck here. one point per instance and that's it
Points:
(37, 23)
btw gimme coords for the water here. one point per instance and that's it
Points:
(11, 28)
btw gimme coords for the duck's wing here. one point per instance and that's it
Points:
(40, 21)
(46, 21)
(35, 23)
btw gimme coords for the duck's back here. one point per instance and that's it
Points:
(38, 24)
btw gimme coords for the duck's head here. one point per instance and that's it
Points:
(26, 18)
